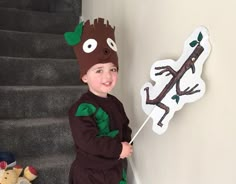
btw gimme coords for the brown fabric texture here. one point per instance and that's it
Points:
(98, 155)
(103, 53)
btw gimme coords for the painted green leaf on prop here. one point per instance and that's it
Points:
(176, 98)
(193, 43)
(73, 38)
(199, 38)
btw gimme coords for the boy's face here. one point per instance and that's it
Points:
(101, 78)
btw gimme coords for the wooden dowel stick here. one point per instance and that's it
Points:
(145, 122)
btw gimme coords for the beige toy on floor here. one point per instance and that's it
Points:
(16, 174)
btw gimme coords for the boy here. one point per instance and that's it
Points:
(98, 122)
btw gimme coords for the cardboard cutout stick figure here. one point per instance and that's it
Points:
(176, 82)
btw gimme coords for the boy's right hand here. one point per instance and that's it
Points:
(127, 150)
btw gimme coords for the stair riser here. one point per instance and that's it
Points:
(27, 21)
(39, 81)
(38, 140)
(23, 4)
(17, 44)
(34, 103)
(58, 175)
(47, 72)
(42, 5)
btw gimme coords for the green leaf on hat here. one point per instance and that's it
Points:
(73, 38)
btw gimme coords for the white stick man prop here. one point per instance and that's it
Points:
(176, 82)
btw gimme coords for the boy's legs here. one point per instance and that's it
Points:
(80, 175)
(92, 176)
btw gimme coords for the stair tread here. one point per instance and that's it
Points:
(38, 71)
(31, 122)
(43, 6)
(49, 161)
(35, 21)
(37, 101)
(29, 33)
(35, 11)
(29, 88)
(37, 136)
(33, 112)
(12, 58)
(34, 45)
(51, 169)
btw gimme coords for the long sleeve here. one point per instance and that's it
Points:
(85, 131)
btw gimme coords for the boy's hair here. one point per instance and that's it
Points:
(93, 44)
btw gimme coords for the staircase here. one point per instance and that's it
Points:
(39, 81)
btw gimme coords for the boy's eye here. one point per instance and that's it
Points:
(114, 69)
(98, 71)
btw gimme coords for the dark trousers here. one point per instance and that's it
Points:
(80, 175)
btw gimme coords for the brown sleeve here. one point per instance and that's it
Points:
(85, 131)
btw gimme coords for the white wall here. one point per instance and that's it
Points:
(199, 146)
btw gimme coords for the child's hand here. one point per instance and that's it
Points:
(127, 150)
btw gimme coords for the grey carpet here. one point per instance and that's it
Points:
(39, 81)
(39, 22)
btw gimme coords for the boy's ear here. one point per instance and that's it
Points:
(84, 78)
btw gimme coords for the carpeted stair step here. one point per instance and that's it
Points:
(37, 101)
(38, 71)
(39, 81)
(35, 21)
(40, 136)
(21, 4)
(38, 45)
(39, 5)
(51, 169)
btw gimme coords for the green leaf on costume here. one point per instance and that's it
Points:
(193, 43)
(102, 120)
(200, 36)
(85, 109)
(101, 117)
(176, 98)
(73, 38)
(124, 177)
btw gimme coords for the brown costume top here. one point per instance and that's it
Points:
(99, 152)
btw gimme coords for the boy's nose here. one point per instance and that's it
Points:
(107, 75)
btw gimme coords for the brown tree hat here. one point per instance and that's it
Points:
(93, 44)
